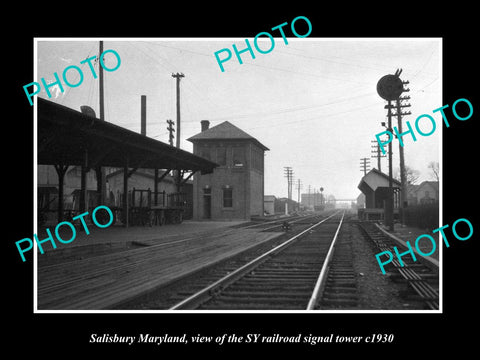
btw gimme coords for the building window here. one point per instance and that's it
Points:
(222, 156)
(257, 160)
(238, 156)
(227, 197)
(205, 153)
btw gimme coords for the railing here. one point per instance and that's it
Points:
(148, 199)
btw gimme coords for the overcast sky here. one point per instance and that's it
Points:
(312, 102)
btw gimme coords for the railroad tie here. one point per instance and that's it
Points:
(414, 280)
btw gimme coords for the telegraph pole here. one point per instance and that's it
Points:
(101, 83)
(403, 176)
(299, 186)
(376, 150)
(309, 194)
(178, 175)
(100, 171)
(178, 76)
(288, 172)
(365, 162)
(399, 114)
(389, 202)
(390, 87)
(171, 130)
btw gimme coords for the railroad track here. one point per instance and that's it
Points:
(277, 223)
(421, 277)
(111, 279)
(290, 276)
(340, 291)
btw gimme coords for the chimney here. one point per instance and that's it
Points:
(205, 124)
(143, 115)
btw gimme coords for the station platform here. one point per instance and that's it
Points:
(112, 265)
(117, 235)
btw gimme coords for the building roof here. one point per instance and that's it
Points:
(225, 131)
(65, 135)
(146, 173)
(432, 184)
(412, 189)
(375, 179)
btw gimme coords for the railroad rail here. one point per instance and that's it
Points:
(109, 279)
(340, 286)
(277, 222)
(289, 276)
(421, 277)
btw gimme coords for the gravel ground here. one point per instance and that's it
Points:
(410, 234)
(376, 291)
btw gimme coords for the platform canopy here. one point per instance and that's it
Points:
(69, 137)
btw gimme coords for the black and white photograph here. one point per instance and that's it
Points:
(217, 184)
(259, 187)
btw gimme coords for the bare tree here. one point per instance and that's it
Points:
(434, 166)
(412, 175)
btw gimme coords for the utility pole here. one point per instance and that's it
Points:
(299, 186)
(403, 176)
(365, 162)
(309, 194)
(399, 113)
(100, 171)
(178, 76)
(101, 83)
(171, 130)
(288, 172)
(390, 205)
(390, 87)
(376, 150)
(178, 174)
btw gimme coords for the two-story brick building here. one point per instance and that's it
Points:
(235, 189)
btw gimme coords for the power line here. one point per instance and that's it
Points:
(295, 108)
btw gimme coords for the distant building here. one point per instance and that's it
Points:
(425, 193)
(283, 205)
(375, 185)
(269, 204)
(428, 192)
(412, 194)
(313, 200)
(235, 189)
(361, 201)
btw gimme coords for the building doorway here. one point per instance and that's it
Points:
(207, 203)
